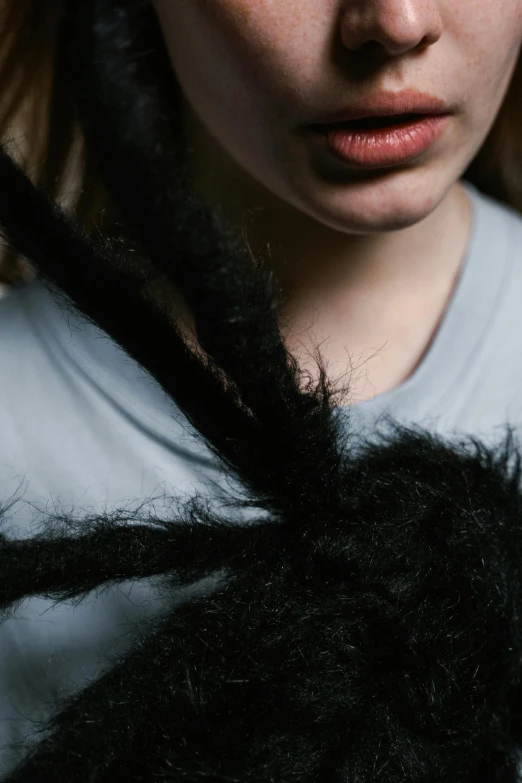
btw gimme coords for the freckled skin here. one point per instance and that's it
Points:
(253, 72)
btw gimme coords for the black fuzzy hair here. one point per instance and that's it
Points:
(369, 627)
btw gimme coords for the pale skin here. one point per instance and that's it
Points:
(367, 265)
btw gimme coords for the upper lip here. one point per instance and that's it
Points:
(384, 104)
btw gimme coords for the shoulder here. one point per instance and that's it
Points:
(20, 340)
(26, 354)
(30, 383)
(480, 355)
(488, 206)
(502, 221)
(80, 423)
(495, 259)
(13, 312)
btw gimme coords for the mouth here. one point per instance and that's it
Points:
(371, 123)
(381, 141)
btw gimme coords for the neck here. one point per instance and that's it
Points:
(355, 289)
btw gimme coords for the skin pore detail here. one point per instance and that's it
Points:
(367, 259)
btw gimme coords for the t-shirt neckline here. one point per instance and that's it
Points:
(461, 329)
(454, 345)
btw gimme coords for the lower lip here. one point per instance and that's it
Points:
(381, 147)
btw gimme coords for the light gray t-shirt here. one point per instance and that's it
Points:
(83, 428)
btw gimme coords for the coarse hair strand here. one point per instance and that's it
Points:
(368, 626)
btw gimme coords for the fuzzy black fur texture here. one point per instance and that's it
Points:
(369, 627)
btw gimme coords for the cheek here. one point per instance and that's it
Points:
(487, 39)
(235, 56)
(221, 57)
(211, 38)
(488, 34)
(264, 41)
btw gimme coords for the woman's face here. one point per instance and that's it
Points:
(256, 73)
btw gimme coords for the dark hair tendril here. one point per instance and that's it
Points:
(367, 627)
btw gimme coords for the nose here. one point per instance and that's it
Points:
(391, 27)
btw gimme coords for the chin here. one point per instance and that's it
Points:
(383, 203)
